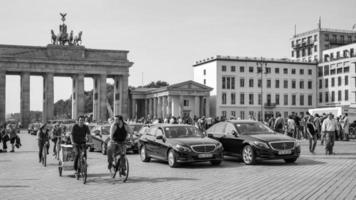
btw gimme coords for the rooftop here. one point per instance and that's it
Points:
(324, 30)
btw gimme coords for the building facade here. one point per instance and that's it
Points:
(336, 77)
(308, 46)
(184, 99)
(240, 89)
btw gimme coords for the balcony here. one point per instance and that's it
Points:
(269, 105)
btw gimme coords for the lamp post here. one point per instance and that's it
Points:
(260, 64)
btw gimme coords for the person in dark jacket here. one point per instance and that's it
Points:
(43, 138)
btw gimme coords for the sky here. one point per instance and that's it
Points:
(164, 37)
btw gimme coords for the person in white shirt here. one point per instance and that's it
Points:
(329, 128)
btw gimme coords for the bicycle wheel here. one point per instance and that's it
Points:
(126, 174)
(115, 167)
(44, 155)
(84, 170)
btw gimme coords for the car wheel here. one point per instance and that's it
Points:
(248, 155)
(172, 162)
(215, 162)
(103, 148)
(290, 160)
(143, 154)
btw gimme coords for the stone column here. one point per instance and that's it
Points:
(48, 97)
(146, 108)
(117, 95)
(95, 99)
(155, 107)
(197, 106)
(169, 100)
(149, 107)
(207, 107)
(25, 99)
(125, 96)
(180, 106)
(159, 107)
(164, 107)
(134, 108)
(78, 105)
(102, 100)
(2, 96)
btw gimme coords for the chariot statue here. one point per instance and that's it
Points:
(63, 37)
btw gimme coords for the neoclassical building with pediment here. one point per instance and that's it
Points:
(187, 98)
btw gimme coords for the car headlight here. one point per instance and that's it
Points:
(297, 143)
(260, 144)
(219, 145)
(181, 148)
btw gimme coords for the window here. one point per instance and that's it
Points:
(242, 82)
(228, 83)
(259, 83)
(326, 97)
(292, 53)
(204, 81)
(320, 71)
(233, 113)
(332, 96)
(301, 84)
(223, 68)
(310, 84)
(250, 83)
(339, 80)
(326, 83)
(346, 80)
(276, 70)
(310, 100)
(310, 72)
(204, 71)
(285, 99)
(339, 95)
(285, 84)
(250, 99)
(346, 95)
(259, 99)
(332, 72)
(320, 83)
(315, 48)
(268, 83)
(293, 71)
(223, 82)
(223, 98)
(242, 98)
(326, 70)
(259, 69)
(326, 37)
(277, 83)
(186, 102)
(233, 98)
(315, 38)
(285, 71)
(346, 69)
(242, 69)
(339, 70)
(277, 99)
(223, 113)
(320, 97)
(301, 71)
(242, 114)
(233, 69)
(293, 84)
(294, 99)
(268, 70)
(250, 69)
(301, 100)
(269, 99)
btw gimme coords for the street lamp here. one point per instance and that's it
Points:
(260, 64)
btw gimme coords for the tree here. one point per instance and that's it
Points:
(156, 84)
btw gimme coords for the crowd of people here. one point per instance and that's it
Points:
(8, 133)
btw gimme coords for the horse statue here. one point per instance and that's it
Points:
(71, 38)
(78, 39)
(54, 37)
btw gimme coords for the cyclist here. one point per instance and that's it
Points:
(78, 138)
(42, 137)
(119, 132)
(56, 137)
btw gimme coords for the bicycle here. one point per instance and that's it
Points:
(82, 163)
(123, 170)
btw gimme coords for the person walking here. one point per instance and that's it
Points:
(312, 134)
(279, 124)
(329, 128)
(346, 127)
(13, 136)
(291, 127)
(271, 121)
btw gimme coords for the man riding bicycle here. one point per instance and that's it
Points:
(78, 137)
(119, 132)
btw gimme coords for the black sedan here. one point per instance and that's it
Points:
(253, 141)
(179, 144)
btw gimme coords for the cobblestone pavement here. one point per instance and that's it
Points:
(311, 177)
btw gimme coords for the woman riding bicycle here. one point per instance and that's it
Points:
(118, 134)
(43, 138)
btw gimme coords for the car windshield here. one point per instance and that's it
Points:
(105, 130)
(252, 128)
(182, 132)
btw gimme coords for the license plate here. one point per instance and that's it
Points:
(205, 155)
(284, 152)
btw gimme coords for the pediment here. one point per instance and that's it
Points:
(189, 85)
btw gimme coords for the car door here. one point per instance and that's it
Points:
(161, 146)
(231, 140)
(150, 141)
(218, 131)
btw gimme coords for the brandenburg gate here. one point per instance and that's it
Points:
(66, 57)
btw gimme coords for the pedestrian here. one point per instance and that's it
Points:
(279, 124)
(14, 140)
(3, 138)
(43, 138)
(291, 127)
(56, 137)
(328, 128)
(346, 127)
(312, 134)
(317, 124)
(322, 133)
(271, 121)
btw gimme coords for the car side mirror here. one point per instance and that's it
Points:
(159, 137)
(234, 133)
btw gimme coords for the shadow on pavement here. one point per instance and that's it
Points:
(226, 163)
(14, 186)
(299, 162)
(134, 179)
